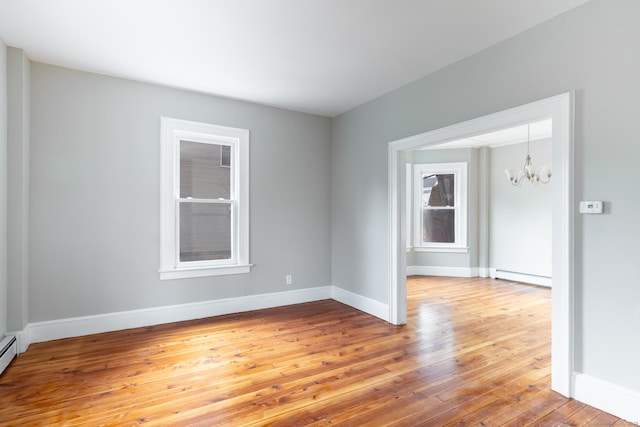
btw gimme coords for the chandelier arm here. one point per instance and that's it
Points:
(548, 180)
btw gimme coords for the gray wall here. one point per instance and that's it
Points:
(3, 188)
(19, 97)
(520, 217)
(592, 50)
(94, 212)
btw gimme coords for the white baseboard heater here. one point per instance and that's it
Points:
(8, 350)
(522, 277)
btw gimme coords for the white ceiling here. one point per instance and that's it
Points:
(534, 131)
(318, 56)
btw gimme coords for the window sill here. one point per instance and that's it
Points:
(185, 273)
(459, 250)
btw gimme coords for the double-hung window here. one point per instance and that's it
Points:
(440, 200)
(204, 216)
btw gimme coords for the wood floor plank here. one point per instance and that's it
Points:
(474, 352)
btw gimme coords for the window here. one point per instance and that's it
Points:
(440, 213)
(204, 216)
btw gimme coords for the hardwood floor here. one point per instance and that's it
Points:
(474, 352)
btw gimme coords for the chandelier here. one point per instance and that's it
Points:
(529, 171)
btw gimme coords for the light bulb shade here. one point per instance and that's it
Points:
(545, 174)
(509, 174)
(514, 180)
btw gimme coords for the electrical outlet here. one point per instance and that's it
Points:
(288, 279)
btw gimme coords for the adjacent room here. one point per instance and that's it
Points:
(302, 213)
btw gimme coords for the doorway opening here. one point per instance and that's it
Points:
(560, 110)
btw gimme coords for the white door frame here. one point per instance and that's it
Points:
(561, 110)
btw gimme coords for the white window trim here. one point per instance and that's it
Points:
(172, 131)
(461, 213)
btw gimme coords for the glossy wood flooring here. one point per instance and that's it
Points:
(474, 352)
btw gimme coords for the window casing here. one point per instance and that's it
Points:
(408, 206)
(204, 217)
(440, 207)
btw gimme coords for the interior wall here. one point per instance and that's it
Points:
(589, 50)
(520, 217)
(18, 145)
(94, 214)
(3, 188)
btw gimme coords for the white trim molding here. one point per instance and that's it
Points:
(22, 339)
(86, 325)
(429, 270)
(108, 322)
(616, 400)
(458, 206)
(173, 133)
(484, 272)
(362, 303)
(423, 270)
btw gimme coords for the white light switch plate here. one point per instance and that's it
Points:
(591, 207)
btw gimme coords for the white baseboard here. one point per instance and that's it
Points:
(78, 326)
(521, 277)
(368, 305)
(421, 270)
(86, 325)
(616, 400)
(21, 340)
(484, 272)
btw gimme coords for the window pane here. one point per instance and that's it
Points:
(205, 231)
(438, 225)
(438, 190)
(225, 156)
(202, 174)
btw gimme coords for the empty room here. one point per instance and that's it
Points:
(296, 213)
